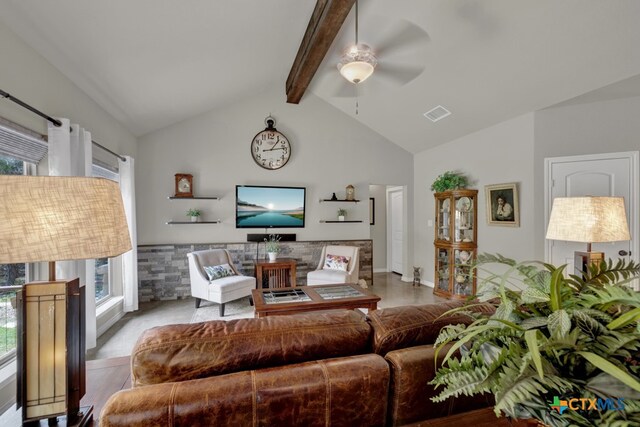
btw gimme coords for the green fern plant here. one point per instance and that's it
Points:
(550, 335)
(449, 181)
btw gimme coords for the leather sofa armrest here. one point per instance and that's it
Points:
(341, 392)
(410, 392)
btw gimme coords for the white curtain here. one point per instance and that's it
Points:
(70, 154)
(130, 259)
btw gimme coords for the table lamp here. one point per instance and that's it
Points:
(53, 219)
(589, 220)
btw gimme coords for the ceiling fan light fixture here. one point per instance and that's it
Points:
(357, 63)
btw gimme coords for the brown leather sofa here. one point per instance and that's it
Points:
(335, 368)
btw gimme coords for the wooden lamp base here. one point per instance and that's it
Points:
(582, 260)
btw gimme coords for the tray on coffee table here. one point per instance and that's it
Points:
(270, 302)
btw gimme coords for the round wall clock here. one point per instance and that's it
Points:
(270, 149)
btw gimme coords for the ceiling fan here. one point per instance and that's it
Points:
(360, 62)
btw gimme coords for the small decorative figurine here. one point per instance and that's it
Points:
(334, 197)
(350, 192)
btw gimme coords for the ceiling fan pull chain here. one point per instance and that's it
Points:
(356, 94)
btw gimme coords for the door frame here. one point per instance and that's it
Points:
(393, 189)
(634, 186)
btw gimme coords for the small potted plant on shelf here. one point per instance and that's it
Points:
(194, 214)
(341, 214)
(449, 181)
(552, 339)
(272, 246)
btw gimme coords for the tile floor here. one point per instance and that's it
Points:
(120, 338)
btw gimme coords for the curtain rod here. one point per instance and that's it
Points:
(56, 122)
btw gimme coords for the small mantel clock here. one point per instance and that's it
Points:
(184, 185)
(270, 149)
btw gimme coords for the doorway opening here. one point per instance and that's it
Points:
(387, 221)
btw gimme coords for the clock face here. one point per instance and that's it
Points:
(270, 149)
(184, 186)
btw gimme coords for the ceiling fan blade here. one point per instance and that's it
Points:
(398, 74)
(402, 36)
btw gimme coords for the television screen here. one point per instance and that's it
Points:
(269, 207)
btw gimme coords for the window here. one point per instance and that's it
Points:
(107, 284)
(11, 277)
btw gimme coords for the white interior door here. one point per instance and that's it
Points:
(396, 223)
(596, 175)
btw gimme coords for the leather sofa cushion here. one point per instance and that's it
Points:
(346, 391)
(408, 326)
(410, 392)
(188, 351)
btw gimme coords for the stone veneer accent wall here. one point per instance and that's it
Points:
(163, 270)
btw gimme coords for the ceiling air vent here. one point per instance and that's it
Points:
(437, 113)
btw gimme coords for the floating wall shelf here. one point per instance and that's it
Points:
(339, 200)
(327, 221)
(189, 222)
(194, 198)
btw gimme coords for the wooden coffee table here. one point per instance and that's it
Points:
(272, 302)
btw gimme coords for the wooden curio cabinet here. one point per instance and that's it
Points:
(455, 243)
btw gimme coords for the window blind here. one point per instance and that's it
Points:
(102, 170)
(21, 143)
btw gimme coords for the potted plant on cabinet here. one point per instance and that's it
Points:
(449, 181)
(552, 339)
(272, 246)
(194, 214)
(342, 213)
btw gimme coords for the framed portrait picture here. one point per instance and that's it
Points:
(372, 211)
(502, 204)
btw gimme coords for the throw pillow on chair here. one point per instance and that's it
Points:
(336, 262)
(218, 271)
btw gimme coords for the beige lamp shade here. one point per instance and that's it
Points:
(588, 219)
(45, 218)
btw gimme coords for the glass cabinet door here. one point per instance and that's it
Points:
(462, 278)
(442, 269)
(464, 219)
(444, 212)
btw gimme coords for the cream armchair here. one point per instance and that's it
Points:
(323, 276)
(220, 290)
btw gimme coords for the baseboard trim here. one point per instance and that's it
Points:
(380, 270)
(104, 326)
(406, 278)
(427, 283)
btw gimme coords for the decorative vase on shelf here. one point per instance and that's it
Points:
(272, 255)
(195, 218)
(340, 217)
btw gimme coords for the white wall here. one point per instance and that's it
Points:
(379, 229)
(329, 151)
(499, 154)
(26, 75)
(597, 127)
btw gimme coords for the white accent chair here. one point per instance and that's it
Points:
(221, 290)
(322, 276)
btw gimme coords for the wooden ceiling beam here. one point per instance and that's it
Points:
(326, 20)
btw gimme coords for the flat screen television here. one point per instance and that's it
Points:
(269, 207)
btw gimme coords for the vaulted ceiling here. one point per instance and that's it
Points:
(152, 63)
